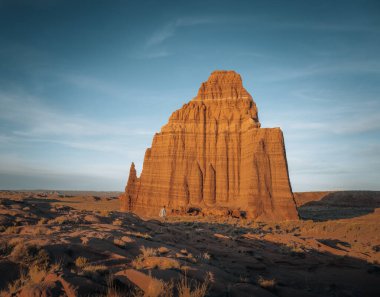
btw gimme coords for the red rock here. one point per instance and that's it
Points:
(213, 153)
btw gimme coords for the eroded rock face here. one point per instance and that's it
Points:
(213, 153)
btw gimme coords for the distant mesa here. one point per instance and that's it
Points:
(213, 156)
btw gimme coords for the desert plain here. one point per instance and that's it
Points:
(80, 244)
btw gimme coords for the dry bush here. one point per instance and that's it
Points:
(30, 254)
(268, 284)
(138, 234)
(206, 256)
(161, 263)
(12, 230)
(57, 265)
(37, 274)
(138, 262)
(95, 268)
(148, 252)
(81, 262)
(192, 289)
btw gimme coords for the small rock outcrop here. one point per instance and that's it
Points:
(212, 154)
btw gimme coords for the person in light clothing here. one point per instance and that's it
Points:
(163, 212)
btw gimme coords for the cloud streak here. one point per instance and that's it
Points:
(34, 123)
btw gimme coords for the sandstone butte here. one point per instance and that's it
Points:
(212, 155)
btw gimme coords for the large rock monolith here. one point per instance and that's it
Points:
(213, 154)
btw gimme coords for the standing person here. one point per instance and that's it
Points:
(163, 212)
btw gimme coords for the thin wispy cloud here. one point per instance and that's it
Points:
(169, 29)
(155, 47)
(39, 120)
(286, 73)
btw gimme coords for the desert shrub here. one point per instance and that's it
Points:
(95, 268)
(42, 258)
(159, 262)
(206, 256)
(138, 234)
(113, 291)
(81, 262)
(30, 254)
(37, 274)
(192, 289)
(57, 265)
(12, 230)
(138, 262)
(268, 284)
(184, 254)
(148, 252)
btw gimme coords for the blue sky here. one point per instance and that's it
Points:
(84, 85)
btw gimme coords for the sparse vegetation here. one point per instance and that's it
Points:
(148, 252)
(138, 234)
(95, 268)
(30, 254)
(206, 256)
(138, 262)
(81, 262)
(12, 230)
(192, 289)
(89, 253)
(37, 274)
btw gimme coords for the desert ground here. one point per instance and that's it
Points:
(79, 244)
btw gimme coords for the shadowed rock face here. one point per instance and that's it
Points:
(213, 154)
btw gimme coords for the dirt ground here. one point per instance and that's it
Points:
(79, 244)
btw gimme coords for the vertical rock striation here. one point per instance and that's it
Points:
(213, 154)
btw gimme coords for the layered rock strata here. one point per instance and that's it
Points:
(212, 154)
